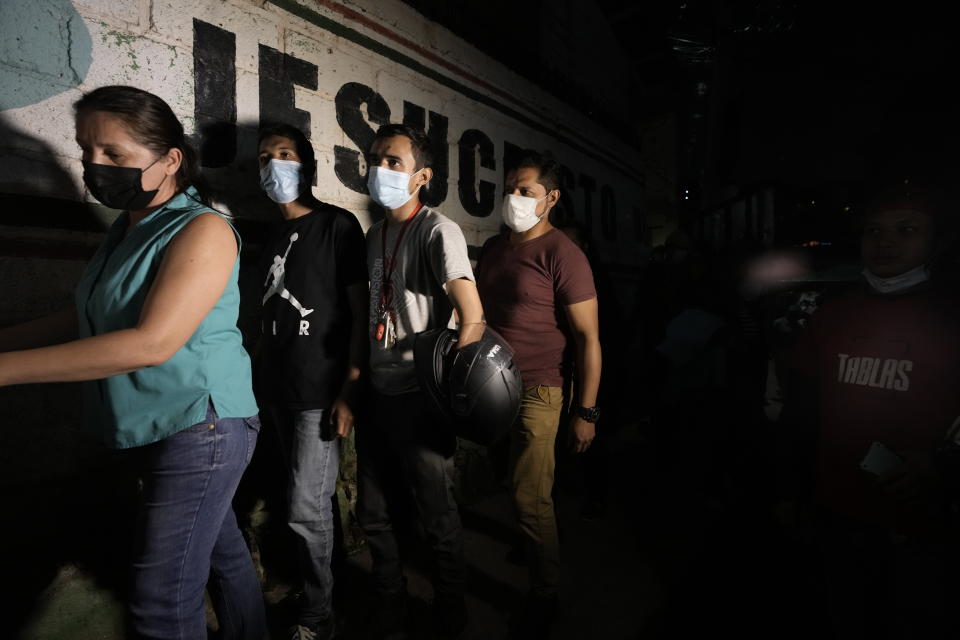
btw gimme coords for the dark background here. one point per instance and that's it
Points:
(823, 99)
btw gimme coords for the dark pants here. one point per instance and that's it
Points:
(188, 535)
(403, 453)
(878, 586)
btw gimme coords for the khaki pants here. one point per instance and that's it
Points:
(533, 463)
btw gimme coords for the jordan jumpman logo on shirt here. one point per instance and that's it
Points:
(278, 272)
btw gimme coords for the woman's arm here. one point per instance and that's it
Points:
(191, 278)
(50, 329)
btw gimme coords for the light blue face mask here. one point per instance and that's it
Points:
(281, 180)
(388, 188)
(896, 284)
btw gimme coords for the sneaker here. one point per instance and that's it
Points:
(301, 632)
(449, 615)
(321, 631)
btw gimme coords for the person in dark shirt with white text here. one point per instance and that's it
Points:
(313, 347)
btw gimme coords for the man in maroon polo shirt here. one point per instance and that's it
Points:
(537, 290)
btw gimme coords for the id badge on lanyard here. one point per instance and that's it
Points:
(386, 331)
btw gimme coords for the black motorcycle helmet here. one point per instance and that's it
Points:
(475, 390)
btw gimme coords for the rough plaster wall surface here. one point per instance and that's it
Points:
(58, 49)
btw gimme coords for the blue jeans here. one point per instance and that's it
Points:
(312, 455)
(402, 452)
(188, 533)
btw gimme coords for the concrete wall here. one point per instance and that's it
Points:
(338, 69)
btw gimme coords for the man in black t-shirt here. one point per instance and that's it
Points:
(312, 348)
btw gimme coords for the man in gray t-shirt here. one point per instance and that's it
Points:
(419, 275)
(430, 253)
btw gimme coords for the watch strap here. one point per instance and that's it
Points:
(590, 414)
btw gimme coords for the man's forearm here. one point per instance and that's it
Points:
(589, 363)
(465, 300)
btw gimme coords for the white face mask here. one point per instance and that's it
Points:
(898, 283)
(388, 188)
(520, 212)
(281, 180)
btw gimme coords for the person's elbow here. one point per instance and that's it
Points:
(155, 356)
(155, 349)
(586, 337)
(465, 297)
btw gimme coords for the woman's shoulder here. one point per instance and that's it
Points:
(184, 208)
(198, 222)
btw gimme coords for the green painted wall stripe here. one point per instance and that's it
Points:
(334, 27)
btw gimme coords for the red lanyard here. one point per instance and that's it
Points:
(389, 265)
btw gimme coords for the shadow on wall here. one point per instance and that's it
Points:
(36, 190)
(63, 493)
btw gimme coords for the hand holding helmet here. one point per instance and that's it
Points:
(475, 389)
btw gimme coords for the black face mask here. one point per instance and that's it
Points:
(118, 187)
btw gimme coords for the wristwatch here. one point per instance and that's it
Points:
(590, 414)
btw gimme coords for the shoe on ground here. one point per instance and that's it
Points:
(321, 631)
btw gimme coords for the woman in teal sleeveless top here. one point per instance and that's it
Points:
(154, 337)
